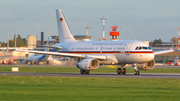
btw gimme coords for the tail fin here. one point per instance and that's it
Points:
(63, 29)
(47, 48)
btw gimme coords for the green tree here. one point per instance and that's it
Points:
(11, 43)
(15, 40)
(157, 41)
(174, 40)
(24, 41)
(3, 44)
(19, 41)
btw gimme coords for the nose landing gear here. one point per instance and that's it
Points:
(136, 71)
(84, 71)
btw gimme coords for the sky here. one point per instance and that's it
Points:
(143, 20)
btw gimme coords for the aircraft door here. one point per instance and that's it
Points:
(128, 47)
(101, 49)
(67, 48)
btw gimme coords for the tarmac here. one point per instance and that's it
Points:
(100, 75)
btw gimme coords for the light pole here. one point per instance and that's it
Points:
(15, 39)
(87, 27)
(178, 37)
(103, 26)
(8, 38)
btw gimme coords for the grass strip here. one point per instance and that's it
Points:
(60, 69)
(24, 88)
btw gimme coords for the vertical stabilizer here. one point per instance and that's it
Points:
(63, 29)
(47, 48)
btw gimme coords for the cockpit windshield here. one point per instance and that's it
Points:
(142, 48)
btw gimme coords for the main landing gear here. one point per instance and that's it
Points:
(136, 71)
(121, 70)
(84, 71)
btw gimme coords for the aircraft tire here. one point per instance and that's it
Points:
(124, 71)
(119, 71)
(87, 71)
(82, 71)
(136, 72)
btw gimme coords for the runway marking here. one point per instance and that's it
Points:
(101, 75)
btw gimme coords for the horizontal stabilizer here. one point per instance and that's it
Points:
(46, 46)
(164, 52)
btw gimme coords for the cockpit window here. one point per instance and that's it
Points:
(137, 48)
(144, 48)
(149, 48)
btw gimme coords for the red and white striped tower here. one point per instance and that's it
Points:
(103, 26)
(87, 27)
(178, 37)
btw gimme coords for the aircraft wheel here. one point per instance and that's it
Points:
(136, 72)
(87, 71)
(82, 71)
(124, 71)
(119, 71)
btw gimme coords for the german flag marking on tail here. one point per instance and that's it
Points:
(61, 19)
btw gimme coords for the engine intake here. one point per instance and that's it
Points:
(146, 66)
(88, 64)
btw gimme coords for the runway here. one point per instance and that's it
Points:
(101, 75)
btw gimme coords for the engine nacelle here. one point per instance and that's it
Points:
(88, 64)
(146, 66)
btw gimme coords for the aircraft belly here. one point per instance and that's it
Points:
(139, 58)
(111, 59)
(124, 59)
(134, 58)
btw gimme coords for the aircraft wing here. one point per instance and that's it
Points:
(66, 54)
(164, 52)
(46, 46)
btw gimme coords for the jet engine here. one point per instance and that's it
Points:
(146, 66)
(88, 64)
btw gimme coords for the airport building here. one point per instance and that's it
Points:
(32, 40)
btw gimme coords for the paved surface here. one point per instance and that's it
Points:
(102, 75)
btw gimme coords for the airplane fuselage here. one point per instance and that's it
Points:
(117, 52)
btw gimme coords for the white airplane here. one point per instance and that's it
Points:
(34, 58)
(91, 54)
